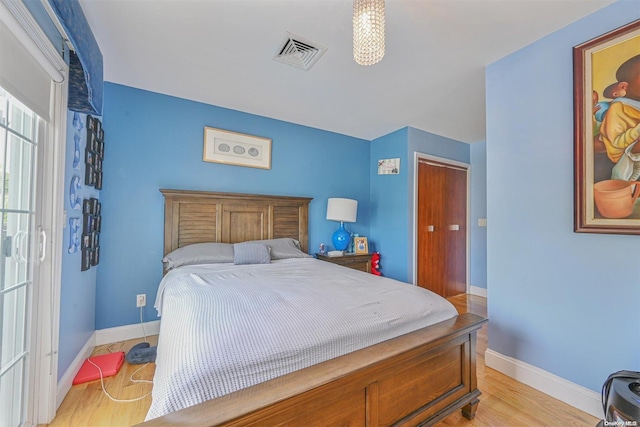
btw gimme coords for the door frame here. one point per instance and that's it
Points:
(417, 156)
(46, 319)
(42, 379)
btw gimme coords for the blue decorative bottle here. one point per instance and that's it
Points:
(341, 238)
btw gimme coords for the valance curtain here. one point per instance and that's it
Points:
(85, 67)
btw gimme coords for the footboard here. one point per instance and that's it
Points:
(416, 379)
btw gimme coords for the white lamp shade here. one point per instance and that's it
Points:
(342, 210)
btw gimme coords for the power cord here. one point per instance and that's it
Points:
(130, 379)
(144, 334)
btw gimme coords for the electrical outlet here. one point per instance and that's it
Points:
(141, 300)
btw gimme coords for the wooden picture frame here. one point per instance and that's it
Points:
(606, 157)
(360, 245)
(232, 148)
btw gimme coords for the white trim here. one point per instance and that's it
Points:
(101, 337)
(43, 369)
(51, 268)
(65, 383)
(126, 332)
(570, 393)
(476, 290)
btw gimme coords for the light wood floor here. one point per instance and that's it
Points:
(504, 401)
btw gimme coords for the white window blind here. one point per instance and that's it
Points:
(20, 72)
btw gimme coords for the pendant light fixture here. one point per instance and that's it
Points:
(368, 31)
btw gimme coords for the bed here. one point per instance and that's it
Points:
(406, 375)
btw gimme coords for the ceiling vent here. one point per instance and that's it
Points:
(299, 52)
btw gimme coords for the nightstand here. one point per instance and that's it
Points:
(360, 262)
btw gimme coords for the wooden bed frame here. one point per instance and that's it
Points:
(415, 379)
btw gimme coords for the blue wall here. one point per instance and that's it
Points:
(558, 300)
(155, 141)
(389, 204)
(478, 261)
(78, 288)
(433, 145)
(392, 195)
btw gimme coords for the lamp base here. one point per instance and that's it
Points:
(341, 238)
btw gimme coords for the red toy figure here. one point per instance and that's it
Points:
(375, 264)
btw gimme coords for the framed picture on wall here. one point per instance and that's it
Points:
(95, 256)
(606, 127)
(94, 205)
(86, 260)
(90, 157)
(89, 175)
(95, 239)
(87, 224)
(98, 181)
(86, 241)
(389, 166)
(232, 148)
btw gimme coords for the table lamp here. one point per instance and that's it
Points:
(343, 210)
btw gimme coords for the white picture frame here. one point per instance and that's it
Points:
(238, 149)
(389, 166)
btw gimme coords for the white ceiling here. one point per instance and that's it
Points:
(221, 52)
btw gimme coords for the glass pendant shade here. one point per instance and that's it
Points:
(368, 31)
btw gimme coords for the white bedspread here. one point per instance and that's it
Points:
(227, 327)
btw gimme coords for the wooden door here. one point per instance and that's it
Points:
(456, 231)
(431, 218)
(442, 228)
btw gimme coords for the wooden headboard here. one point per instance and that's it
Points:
(202, 216)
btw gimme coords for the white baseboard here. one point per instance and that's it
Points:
(65, 383)
(570, 393)
(126, 332)
(475, 290)
(100, 337)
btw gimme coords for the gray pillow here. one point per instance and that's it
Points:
(284, 248)
(199, 253)
(251, 253)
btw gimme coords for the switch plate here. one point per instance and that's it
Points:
(482, 222)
